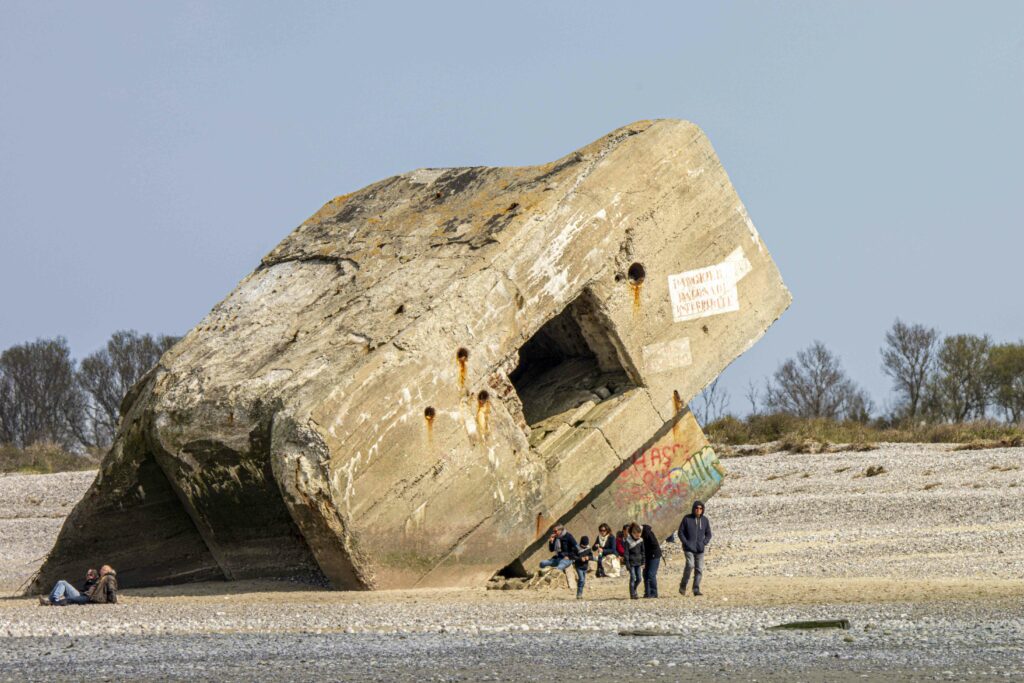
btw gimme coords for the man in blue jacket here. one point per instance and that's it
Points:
(695, 534)
(564, 547)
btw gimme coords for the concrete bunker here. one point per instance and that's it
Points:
(324, 404)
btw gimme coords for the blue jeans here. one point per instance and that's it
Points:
(581, 579)
(694, 563)
(64, 591)
(561, 564)
(634, 578)
(651, 577)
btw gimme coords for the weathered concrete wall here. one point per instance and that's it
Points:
(427, 366)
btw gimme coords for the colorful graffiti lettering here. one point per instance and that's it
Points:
(662, 475)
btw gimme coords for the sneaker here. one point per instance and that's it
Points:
(682, 591)
(579, 597)
(697, 592)
(44, 601)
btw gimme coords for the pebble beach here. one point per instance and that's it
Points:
(924, 558)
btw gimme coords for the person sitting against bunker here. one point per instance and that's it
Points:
(564, 547)
(634, 558)
(64, 591)
(603, 547)
(582, 562)
(101, 588)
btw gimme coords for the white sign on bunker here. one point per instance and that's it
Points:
(704, 291)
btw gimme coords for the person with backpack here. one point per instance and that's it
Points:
(620, 543)
(634, 558)
(652, 560)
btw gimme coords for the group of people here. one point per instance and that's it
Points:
(98, 587)
(637, 548)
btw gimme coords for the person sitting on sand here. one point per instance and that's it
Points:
(603, 547)
(634, 558)
(695, 534)
(63, 592)
(101, 589)
(582, 563)
(564, 547)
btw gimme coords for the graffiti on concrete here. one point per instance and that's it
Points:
(662, 474)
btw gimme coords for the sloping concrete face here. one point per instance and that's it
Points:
(427, 367)
(656, 485)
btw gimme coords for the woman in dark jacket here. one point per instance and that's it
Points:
(604, 545)
(634, 558)
(652, 560)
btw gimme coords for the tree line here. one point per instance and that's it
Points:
(935, 379)
(47, 397)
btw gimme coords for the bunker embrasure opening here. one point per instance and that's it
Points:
(571, 360)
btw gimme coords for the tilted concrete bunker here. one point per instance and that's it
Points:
(428, 372)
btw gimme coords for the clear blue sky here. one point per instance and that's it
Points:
(151, 153)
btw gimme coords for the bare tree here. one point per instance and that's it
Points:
(957, 389)
(908, 357)
(8, 423)
(815, 385)
(859, 406)
(108, 374)
(40, 402)
(1006, 379)
(753, 394)
(710, 404)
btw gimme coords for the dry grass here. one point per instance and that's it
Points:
(819, 435)
(875, 470)
(983, 444)
(44, 459)
(799, 445)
